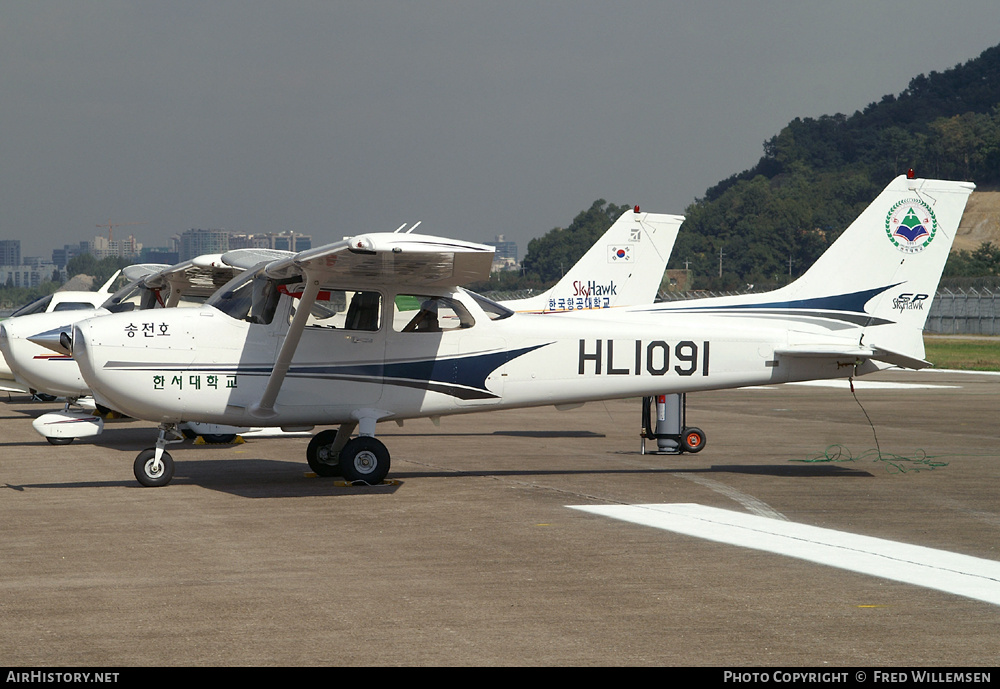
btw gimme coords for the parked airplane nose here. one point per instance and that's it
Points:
(58, 340)
(5, 372)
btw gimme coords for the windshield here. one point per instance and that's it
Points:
(249, 296)
(494, 310)
(131, 297)
(37, 306)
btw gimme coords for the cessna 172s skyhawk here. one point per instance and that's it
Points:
(608, 273)
(412, 343)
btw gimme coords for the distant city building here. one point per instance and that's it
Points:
(284, 241)
(10, 252)
(504, 254)
(249, 241)
(196, 242)
(30, 271)
(26, 275)
(159, 254)
(60, 257)
(290, 241)
(102, 247)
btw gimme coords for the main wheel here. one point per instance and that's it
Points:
(146, 471)
(364, 459)
(320, 455)
(693, 440)
(59, 441)
(219, 438)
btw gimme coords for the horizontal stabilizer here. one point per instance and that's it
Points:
(858, 353)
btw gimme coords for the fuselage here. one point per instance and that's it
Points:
(204, 364)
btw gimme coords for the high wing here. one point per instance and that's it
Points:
(137, 271)
(413, 260)
(199, 276)
(390, 258)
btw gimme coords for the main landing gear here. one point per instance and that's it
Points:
(669, 425)
(335, 453)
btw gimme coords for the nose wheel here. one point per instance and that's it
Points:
(154, 467)
(151, 471)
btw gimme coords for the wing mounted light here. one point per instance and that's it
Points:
(361, 245)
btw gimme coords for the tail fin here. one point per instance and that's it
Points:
(886, 266)
(623, 268)
(106, 287)
(874, 284)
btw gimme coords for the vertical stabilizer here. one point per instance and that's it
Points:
(623, 268)
(888, 263)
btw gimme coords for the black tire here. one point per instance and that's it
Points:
(142, 468)
(59, 441)
(219, 438)
(108, 412)
(693, 440)
(188, 433)
(322, 460)
(364, 459)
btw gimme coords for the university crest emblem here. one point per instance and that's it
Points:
(911, 225)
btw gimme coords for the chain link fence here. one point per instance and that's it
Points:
(969, 311)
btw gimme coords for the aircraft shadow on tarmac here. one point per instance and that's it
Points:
(255, 477)
(269, 478)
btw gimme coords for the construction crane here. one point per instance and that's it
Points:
(112, 225)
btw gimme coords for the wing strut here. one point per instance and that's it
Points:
(265, 408)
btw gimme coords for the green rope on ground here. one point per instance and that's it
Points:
(893, 463)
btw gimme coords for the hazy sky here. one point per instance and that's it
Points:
(477, 118)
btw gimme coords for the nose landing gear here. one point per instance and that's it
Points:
(154, 466)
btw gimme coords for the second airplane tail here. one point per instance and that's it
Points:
(623, 268)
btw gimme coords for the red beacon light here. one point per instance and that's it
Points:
(910, 174)
(636, 209)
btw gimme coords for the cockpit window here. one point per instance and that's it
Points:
(235, 297)
(248, 297)
(494, 310)
(346, 310)
(429, 314)
(133, 297)
(73, 306)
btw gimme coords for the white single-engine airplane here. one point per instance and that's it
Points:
(69, 300)
(411, 343)
(613, 273)
(31, 344)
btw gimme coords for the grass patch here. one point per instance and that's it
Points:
(971, 354)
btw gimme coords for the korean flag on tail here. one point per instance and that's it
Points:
(620, 253)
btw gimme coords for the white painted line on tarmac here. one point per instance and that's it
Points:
(840, 383)
(941, 570)
(870, 385)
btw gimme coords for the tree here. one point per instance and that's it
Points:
(549, 256)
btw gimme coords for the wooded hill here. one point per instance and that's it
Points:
(772, 221)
